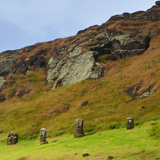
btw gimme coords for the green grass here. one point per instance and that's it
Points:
(120, 143)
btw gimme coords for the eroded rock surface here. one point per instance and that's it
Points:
(73, 68)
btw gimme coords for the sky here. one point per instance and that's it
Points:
(26, 22)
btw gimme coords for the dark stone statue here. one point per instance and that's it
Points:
(43, 135)
(78, 128)
(12, 139)
(130, 123)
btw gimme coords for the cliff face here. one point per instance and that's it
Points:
(73, 59)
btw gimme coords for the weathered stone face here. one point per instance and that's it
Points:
(73, 68)
(12, 139)
(130, 123)
(79, 128)
(43, 135)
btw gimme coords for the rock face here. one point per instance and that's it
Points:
(73, 68)
(6, 61)
(79, 128)
(43, 135)
(12, 139)
(74, 59)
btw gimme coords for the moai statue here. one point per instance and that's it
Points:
(130, 123)
(12, 139)
(43, 135)
(78, 128)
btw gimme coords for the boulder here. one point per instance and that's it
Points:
(73, 68)
(85, 154)
(84, 104)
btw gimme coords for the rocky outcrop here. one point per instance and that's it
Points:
(73, 68)
(120, 46)
(74, 59)
(135, 93)
(152, 14)
(7, 59)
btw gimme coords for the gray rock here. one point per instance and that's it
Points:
(6, 63)
(146, 94)
(76, 52)
(43, 135)
(73, 68)
(72, 46)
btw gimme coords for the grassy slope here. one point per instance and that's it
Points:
(119, 143)
(107, 106)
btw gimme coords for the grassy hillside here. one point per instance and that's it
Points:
(108, 104)
(139, 143)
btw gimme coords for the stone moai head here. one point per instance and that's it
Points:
(130, 123)
(79, 128)
(43, 132)
(43, 135)
(12, 139)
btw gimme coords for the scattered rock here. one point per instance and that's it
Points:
(12, 139)
(85, 155)
(84, 104)
(79, 128)
(143, 107)
(43, 134)
(133, 91)
(110, 157)
(147, 94)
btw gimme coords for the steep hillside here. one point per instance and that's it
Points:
(115, 67)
